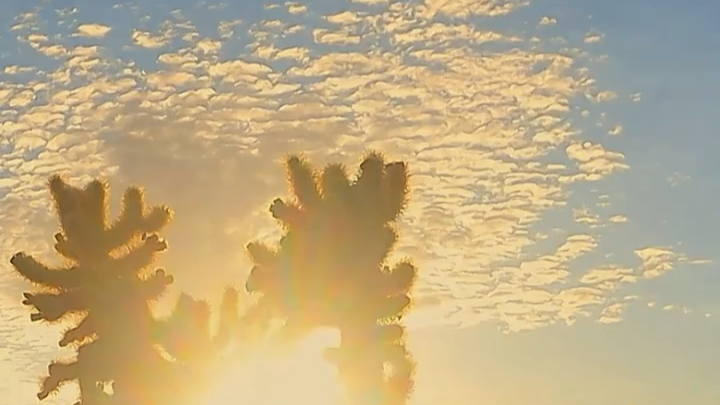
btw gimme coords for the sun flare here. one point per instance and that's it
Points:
(277, 378)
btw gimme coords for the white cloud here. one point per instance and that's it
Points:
(594, 161)
(208, 46)
(593, 37)
(616, 130)
(584, 216)
(177, 59)
(226, 28)
(481, 130)
(14, 69)
(147, 40)
(93, 30)
(677, 178)
(466, 8)
(296, 53)
(657, 260)
(296, 8)
(612, 313)
(37, 38)
(335, 37)
(344, 17)
(548, 20)
(609, 278)
(605, 96)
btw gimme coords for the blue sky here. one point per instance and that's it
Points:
(563, 206)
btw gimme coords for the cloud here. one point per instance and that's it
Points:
(609, 278)
(370, 1)
(93, 30)
(344, 17)
(439, 33)
(208, 46)
(593, 161)
(226, 28)
(296, 8)
(147, 40)
(584, 216)
(295, 53)
(616, 130)
(657, 260)
(335, 37)
(14, 69)
(26, 349)
(466, 8)
(485, 130)
(548, 21)
(184, 59)
(612, 313)
(677, 178)
(593, 37)
(605, 96)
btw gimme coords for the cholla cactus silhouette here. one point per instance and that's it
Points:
(105, 282)
(330, 270)
(185, 334)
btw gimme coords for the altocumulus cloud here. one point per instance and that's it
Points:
(92, 30)
(481, 116)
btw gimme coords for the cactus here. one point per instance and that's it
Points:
(185, 334)
(107, 285)
(330, 270)
(186, 337)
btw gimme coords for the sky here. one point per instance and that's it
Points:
(562, 207)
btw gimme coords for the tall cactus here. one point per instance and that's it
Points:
(330, 270)
(106, 282)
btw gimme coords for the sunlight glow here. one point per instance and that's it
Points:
(274, 378)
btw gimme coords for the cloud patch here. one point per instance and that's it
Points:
(204, 121)
(146, 39)
(93, 30)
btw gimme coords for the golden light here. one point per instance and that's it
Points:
(277, 378)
